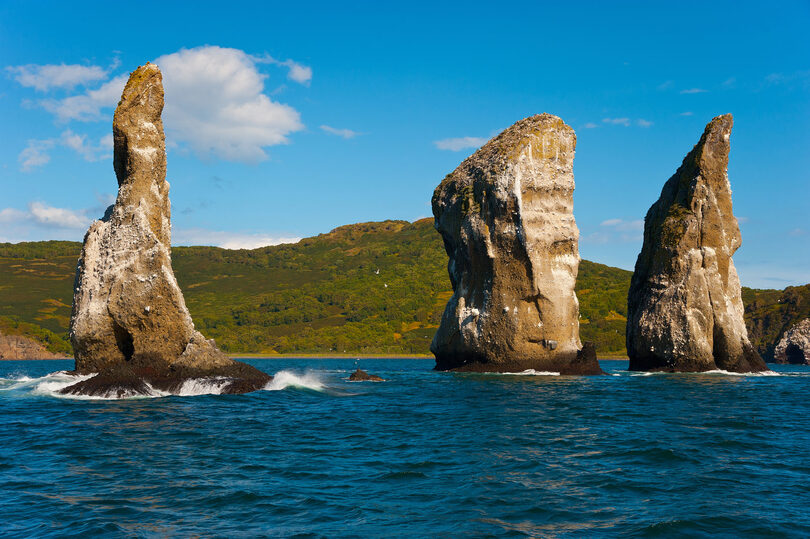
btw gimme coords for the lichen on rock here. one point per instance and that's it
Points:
(129, 318)
(506, 218)
(685, 311)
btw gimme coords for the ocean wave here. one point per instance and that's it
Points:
(284, 379)
(713, 371)
(202, 386)
(532, 372)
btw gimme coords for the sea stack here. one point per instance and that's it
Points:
(506, 218)
(129, 322)
(684, 310)
(794, 346)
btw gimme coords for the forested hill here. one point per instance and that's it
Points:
(369, 288)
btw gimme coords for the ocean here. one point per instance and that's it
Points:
(423, 454)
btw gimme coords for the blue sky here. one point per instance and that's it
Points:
(287, 120)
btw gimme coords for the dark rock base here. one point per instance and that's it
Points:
(583, 362)
(125, 381)
(749, 362)
(363, 376)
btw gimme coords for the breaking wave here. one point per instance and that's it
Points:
(533, 372)
(284, 379)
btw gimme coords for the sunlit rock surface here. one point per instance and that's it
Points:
(794, 346)
(685, 312)
(506, 217)
(129, 322)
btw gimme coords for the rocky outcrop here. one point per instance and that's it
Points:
(362, 376)
(506, 218)
(19, 347)
(130, 323)
(794, 346)
(684, 307)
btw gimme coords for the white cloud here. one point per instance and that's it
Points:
(666, 85)
(345, 133)
(590, 125)
(215, 103)
(644, 123)
(35, 154)
(687, 113)
(621, 224)
(45, 215)
(227, 240)
(45, 77)
(617, 121)
(89, 152)
(460, 143)
(87, 107)
(297, 72)
(694, 91)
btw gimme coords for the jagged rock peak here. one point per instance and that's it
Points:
(129, 321)
(685, 312)
(794, 346)
(506, 218)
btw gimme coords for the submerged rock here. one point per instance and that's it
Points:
(129, 322)
(794, 346)
(684, 310)
(363, 376)
(506, 218)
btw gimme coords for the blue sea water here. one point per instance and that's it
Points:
(423, 454)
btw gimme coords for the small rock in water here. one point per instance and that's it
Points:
(794, 346)
(506, 218)
(129, 322)
(684, 307)
(363, 376)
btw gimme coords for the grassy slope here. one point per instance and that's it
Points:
(324, 294)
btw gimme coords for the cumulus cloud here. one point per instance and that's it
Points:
(35, 154)
(641, 122)
(227, 240)
(621, 224)
(694, 91)
(345, 133)
(45, 77)
(215, 103)
(45, 215)
(460, 143)
(617, 121)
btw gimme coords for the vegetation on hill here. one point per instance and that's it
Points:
(369, 288)
(769, 313)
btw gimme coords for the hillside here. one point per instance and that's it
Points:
(369, 288)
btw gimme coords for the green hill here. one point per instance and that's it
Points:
(369, 288)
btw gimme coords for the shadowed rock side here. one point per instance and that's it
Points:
(794, 346)
(506, 218)
(362, 376)
(684, 310)
(129, 322)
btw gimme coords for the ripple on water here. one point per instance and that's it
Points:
(429, 453)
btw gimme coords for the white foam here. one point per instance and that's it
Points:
(729, 373)
(532, 372)
(203, 386)
(285, 379)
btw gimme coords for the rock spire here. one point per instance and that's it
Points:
(506, 218)
(129, 322)
(684, 307)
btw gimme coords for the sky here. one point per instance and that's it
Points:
(285, 120)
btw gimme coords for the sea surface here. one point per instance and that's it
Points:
(423, 454)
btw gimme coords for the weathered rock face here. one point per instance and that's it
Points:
(685, 312)
(129, 318)
(794, 346)
(506, 217)
(19, 347)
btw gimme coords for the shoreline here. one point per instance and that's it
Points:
(305, 356)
